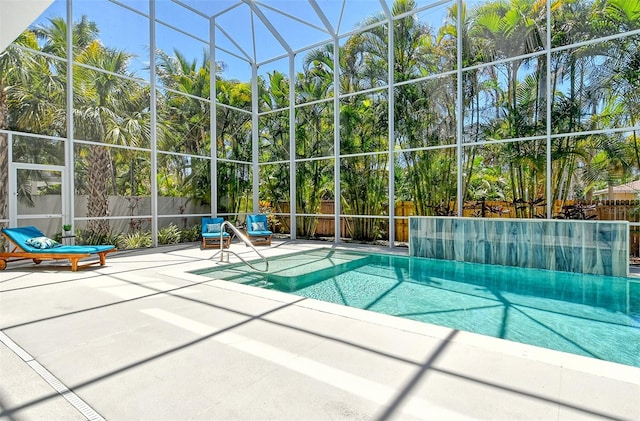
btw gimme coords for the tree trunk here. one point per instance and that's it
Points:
(4, 154)
(98, 184)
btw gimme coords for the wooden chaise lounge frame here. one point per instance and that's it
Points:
(20, 250)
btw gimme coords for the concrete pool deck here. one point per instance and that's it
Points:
(140, 338)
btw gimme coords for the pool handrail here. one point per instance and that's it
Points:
(246, 241)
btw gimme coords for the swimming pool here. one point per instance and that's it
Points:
(594, 316)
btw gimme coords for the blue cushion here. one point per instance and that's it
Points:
(42, 242)
(214, 234)
(264, 233)
(62, 249)
(213, 227)
(257, 226)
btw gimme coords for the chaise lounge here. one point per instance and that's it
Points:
(30, 243)
(258, 231)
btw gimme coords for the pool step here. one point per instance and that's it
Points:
(290, 281)
(289, 272)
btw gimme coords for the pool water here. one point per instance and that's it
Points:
(590, 315)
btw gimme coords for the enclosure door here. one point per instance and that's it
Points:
(37, 197)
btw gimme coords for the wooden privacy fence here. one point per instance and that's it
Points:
(403, 209)
(603, 210)
(324, 224)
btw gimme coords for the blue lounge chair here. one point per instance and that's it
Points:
(258, 230)
(30, 243)
(211, 233)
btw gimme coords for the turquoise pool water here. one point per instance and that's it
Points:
(594, 316)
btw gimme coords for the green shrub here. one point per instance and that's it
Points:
(85, 237)
(135, 240)
(169, 235)
(191, 234)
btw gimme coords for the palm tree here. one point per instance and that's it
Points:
(572, 105)
(424, 114)
(602, 92)
(12, 60)
(108, 109)
(274, 139)
(186, 115)
(233, 133)
(185, 126)
(314, 136)
(504, 30)
(364, 178)
(619, 74)
(473, 89)
(30, 97)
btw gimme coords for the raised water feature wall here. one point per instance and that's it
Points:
(596, 247)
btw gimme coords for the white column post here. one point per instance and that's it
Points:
(68, 182)
(391, 128)
(213, 118)
(292, 149)
(254, 136)
(336, 138)
(460, 111)
(153, 116)
(549, 94)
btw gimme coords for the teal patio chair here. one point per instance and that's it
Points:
(258, 230)
(211, 233)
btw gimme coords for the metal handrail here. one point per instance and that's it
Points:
(244, 239)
